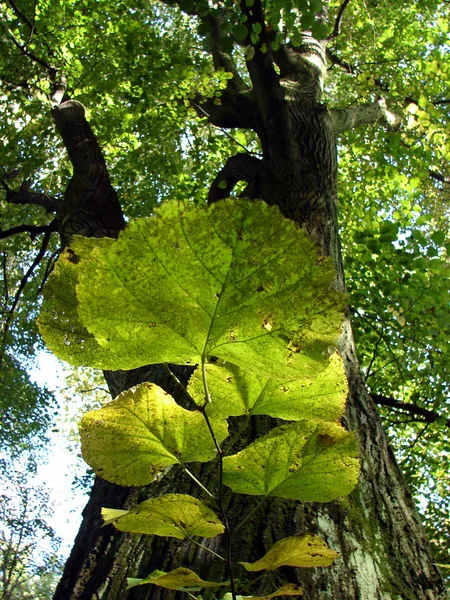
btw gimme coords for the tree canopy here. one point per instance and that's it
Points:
(149, 75)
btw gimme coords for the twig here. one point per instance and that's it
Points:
(52, 71)
(374, 354)
(48, 270)
(21, 16)
(22, 285)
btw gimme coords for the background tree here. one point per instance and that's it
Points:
(29, 563)
(264, 80)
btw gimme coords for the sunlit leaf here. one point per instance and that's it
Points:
(307, 461)
(295, 551)
(236, 280)
(178, 579)
(289, 589)
(235, 392)
(174, 515)
(141, 432)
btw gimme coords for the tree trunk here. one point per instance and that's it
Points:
(383, 551)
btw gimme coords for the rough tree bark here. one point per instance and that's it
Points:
(383, 551)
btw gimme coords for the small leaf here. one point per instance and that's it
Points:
(173, 515)
(249, 53)
(240, 32)
(307, 461)
(178, 579)
(295, 551)
(141, 432)
(319, 30)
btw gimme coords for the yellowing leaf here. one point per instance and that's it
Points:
(235, 392)
(59, 322)
(174, 515)
(307, 461)
(141, 432)
(109, 515)
(295, 551)
(205, 282)
(289, 589)
(177, 579)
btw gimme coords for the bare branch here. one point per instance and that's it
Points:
(33, 230)
(349, 118)
(338, 22)
(430, 416)
(24, 196)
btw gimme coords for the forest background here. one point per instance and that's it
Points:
(140, 70)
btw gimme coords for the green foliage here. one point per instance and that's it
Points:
(140, 65)
(234, 280)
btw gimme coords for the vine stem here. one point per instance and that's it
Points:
(220, 453)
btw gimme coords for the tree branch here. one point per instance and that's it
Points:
(33, 230)
(21, 16)
(338, 22)
(241, 167)
(430, 416)
(439, 177)
(23, 282)
(349, 118)
(24, 196)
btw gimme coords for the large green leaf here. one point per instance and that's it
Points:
(295, 551)
(174, 515)
(235, 280)
(235, 392)
(177, 579)
(307, 461)
(141, 432)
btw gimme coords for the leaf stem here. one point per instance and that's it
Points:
(220, 454)
(249, 514)
(238, 435)
(199, 483)
(205, 548)
(178, 382)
